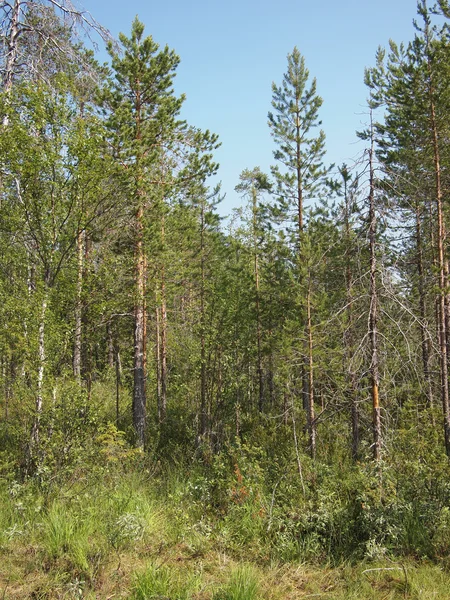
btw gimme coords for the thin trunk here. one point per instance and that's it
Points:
(81, 248)
(348, 337)
(9, 376)
(118, 381)
(163, 351)
(258, 302)
(373, 311)
(139, 398)
(158, 363)
(424, 328)
(285, 409)
(219, 377)
(441, 240)
(31, 287)
(271, 377)
(311, 420)
(110, 339)
(307, 392)
(11, 52)
(299, 174)
(163, 333)
(88, 358)
(297, 453)
(140, 321)
(35, 432)
(203, 398)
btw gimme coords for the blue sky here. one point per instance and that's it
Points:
(232, 51)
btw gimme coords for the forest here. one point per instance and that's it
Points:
(194, 408)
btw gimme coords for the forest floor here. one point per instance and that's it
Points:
(113, 524)
(122, 539)
(179, 574)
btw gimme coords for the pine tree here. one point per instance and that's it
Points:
(411, 83)
(302, 177)
(157, 155)
(143, 118)
(252, 184)
(300, 154)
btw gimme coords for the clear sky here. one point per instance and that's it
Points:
(231, 51)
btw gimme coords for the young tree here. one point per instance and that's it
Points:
(300, 154)
(153, 148)
(49, 162)
(302, 177)
(252, 184)
(411, 83)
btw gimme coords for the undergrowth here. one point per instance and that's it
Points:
(107, 521)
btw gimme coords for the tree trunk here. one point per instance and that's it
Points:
(298, 157)
(81, 239)
(158, 363)
(139, 398)
(118, 381)
(162, 325)
(348, 336)
(373, 310)
(203, 398)
(258, 303)
(110, 339)
(11, 52)
(311, 420)
(35, 431)
(442, 263)
(424, 327)
(140, 317)
(441, 236)
(163, 347)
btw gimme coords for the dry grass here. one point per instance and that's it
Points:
(129, 541)
(23, 575)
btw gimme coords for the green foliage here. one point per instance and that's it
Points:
(295, 114)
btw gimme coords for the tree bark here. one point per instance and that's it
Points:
(79, 306)
(441, 241)
(373, 309)
(110, 340)
(158, 361)
(163, 333)
(139, 397)
(35, 431)
(348, 336)
(118, 381)
(441, 237)
(12, 50)
(203, 398)
(424, 327)
(257, 301)
(311, 420)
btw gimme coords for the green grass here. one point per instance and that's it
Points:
(243, 584)
(130, 536)
(158, 582)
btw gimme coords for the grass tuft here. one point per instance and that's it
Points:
(155, 583)
(243, 584)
